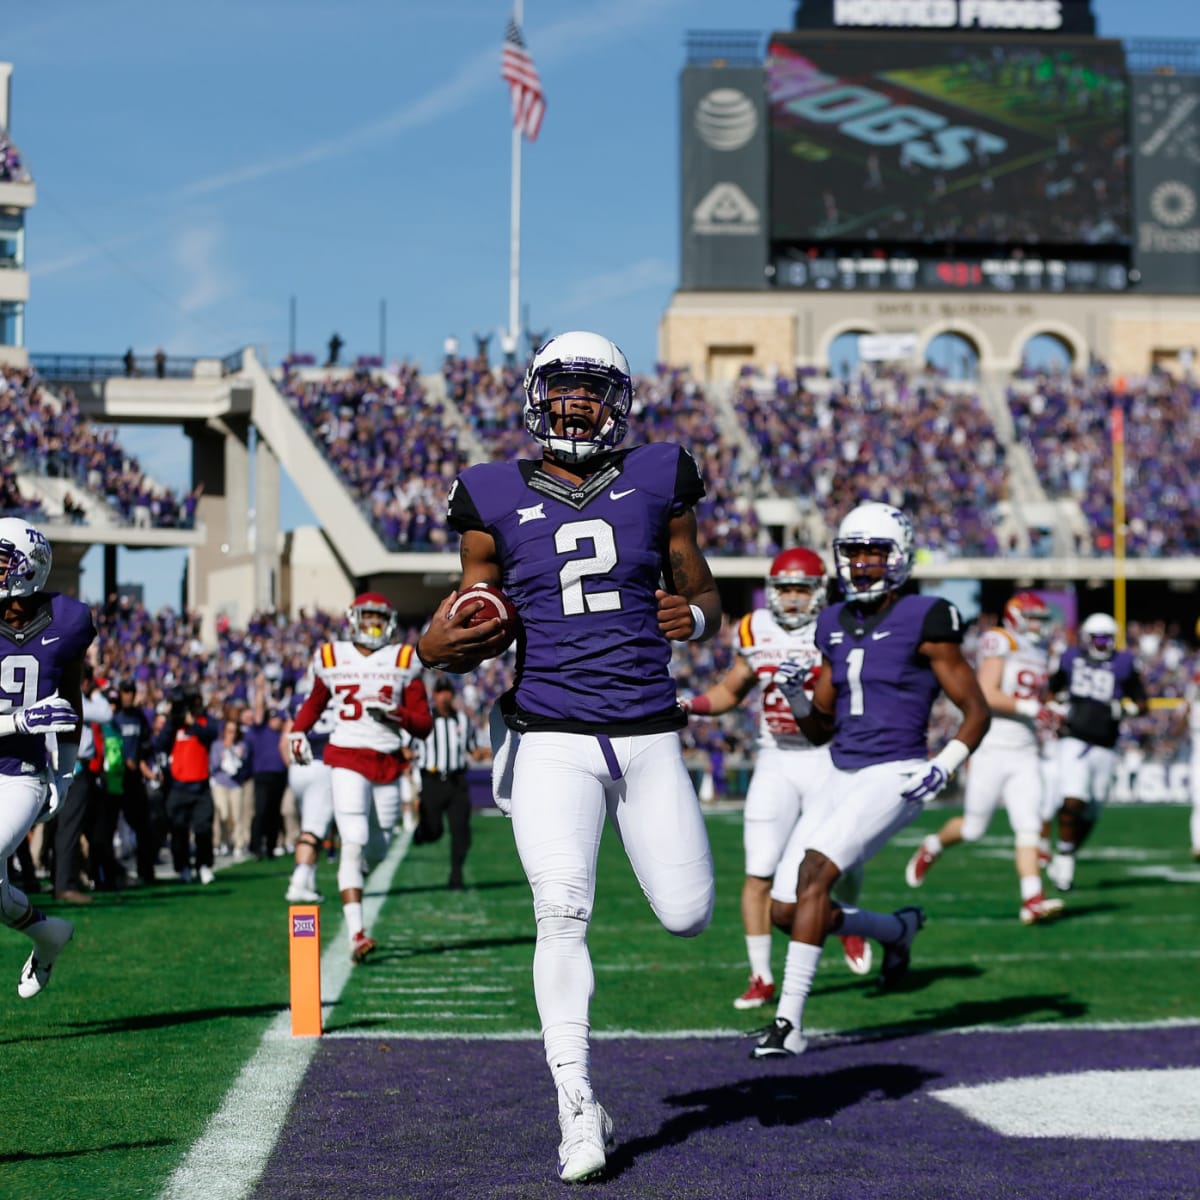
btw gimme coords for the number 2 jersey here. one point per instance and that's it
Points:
(582, 562)
(32, 662)
(885, 686)
(765, 644)
(1092, 686)
(349, 683)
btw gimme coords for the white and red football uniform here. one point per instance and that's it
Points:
(1008, 765)
(364, 751)
(789, 771)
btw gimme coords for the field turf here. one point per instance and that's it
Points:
(158, 1062)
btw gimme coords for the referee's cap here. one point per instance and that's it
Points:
(443, 683)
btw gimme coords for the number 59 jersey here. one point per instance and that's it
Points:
(582, 562)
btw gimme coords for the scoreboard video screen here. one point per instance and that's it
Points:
(920, 142)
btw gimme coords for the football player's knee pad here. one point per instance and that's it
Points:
(350, 866)
(14, 906)
(1028, 839)
(546, 910)
(688, 921)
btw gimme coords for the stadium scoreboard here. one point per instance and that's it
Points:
(939, 145)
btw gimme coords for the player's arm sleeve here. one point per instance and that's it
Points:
(461, 513)
(1135, 688)
(689, 486)
(943, 623)
(413, 711)
(312, 707)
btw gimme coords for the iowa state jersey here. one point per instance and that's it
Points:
(885, 687)
(1024, 676)
(1092, 686)
(764, 644)
(356, 681)
(32, 662)
(582, 562)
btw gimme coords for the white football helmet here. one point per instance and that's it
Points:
(25, 558)
(373, 621)
(601, 371)
(878, 527)
(796, 568)
(1099, 636)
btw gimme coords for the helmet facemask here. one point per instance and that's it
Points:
(372, 625)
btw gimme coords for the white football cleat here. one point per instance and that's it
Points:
(297, 893)
(587, 1132)
(53, 934)
(206, 875)
(780, 1039)
(1038, 908)
(857, 952)
(1061, 872)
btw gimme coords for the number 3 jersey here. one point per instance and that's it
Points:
(765, 644)
(32, 662)
(885, 686)
(348, 683)
(582, 562)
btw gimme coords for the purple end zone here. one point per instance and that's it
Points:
(698, 1119)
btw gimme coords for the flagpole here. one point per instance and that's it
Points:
(514, 252)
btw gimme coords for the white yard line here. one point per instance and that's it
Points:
(230, 1155)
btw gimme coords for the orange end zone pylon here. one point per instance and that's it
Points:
(304, 955)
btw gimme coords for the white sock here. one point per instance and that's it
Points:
(354, 921)
(933, 844)
(798, 975)
(1031, 885)
(758, 950)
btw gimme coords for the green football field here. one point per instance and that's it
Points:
(166, 995)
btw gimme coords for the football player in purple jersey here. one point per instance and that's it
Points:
(596, 547)
(886, 654)
(1101, 685)
(43, 639)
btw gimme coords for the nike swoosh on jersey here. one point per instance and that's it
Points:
(880, 634)
(46, 641)
(613, 495)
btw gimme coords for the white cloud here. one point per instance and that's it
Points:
(616, 285)
(478, 74)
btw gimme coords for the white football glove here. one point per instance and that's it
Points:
(56, 793)
(302, 753)
(51, 715)
(789, 679)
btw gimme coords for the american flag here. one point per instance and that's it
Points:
(518, 71)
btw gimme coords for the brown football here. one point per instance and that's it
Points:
(495, 604)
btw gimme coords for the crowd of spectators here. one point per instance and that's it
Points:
(11, 168)
(916, 442)
(1066, 421)
(47, 435)
(389, 444)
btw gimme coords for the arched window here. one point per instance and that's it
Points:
(843, 354)
(953, 355)
(1046, 353)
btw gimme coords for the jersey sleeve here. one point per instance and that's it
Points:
(461, 513)
(943, 623)
(689, 487)
(1133, 687)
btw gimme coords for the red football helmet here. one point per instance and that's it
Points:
(1028, 614)
(796, 568)
(373, 621)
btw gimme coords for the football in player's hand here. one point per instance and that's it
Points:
(495, 604)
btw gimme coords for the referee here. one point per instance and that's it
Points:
(443, 756)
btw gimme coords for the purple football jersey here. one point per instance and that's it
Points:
(885, 688)
(581, 562)
(1093, 685)
(34, 659)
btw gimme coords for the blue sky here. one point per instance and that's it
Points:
(200, 165)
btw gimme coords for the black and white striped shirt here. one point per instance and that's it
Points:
(449, 744)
